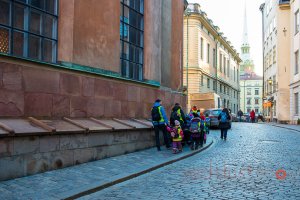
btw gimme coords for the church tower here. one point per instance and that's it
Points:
(247, 66)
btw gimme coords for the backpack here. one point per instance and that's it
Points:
(155, 114)
(194, 127)
(223, 117)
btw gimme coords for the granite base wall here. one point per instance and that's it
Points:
(28, 155)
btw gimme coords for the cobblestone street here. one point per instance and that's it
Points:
(256, 162)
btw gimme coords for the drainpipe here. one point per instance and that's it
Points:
(187, 58)
(261, 8)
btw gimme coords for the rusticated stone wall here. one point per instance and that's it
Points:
(28, 155)
(32, 89)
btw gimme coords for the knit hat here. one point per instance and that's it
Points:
(194, 108)
(177, 123)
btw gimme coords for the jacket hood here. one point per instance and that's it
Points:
(156, 104)
(175, 108)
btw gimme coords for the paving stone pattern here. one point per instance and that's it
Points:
(67, 182)
(243, 167)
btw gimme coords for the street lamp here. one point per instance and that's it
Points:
(270, 81)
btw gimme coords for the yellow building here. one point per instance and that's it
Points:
(211, 64)
(276, 50)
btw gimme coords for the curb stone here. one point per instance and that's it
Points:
(97, 188)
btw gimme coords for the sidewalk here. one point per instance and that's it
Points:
(83, 179)
(286, 126)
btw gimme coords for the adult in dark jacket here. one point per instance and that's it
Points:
(224, 124)
(240, 114)
(177, 114)
(160, 124)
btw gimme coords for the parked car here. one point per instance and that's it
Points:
(234, 117)
(246, 117)
(213, 114)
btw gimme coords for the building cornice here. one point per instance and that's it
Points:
(213, 30)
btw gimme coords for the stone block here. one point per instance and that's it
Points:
(100, 139)
(112, 108)
(6, 147)
(10, 67)
(12, 80)
(131, 109)
(60, 159)
(83, 155)
(49, 143)
(103, 88)
(124, 109)
(134, 93)
(38, 104)
(61, 106)
(95, 107)
(11, 103)
(25, 145)
(88, 86)
(37, 163)
(11, 167)
(1, 77)
(120, 91)
(39, 80)
(70, 84)
(148, 95)
(78, 106)
(73, 141)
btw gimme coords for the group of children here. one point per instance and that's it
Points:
(193, 132)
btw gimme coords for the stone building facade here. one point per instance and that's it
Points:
(211, 64)
(83, 58)
(295, 51)
(277, 66)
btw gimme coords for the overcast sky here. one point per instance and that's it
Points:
(229, 16)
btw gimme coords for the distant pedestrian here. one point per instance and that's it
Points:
(240, 114)
(252, 116)
(160, 121)
(224, 124)
(194, 110)
(177, 136)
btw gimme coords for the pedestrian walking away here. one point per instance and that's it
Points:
(160, 121)
(252, 116)
(224, 124)
(197, 132)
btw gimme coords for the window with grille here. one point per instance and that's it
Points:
(132, 38)
(28, 28)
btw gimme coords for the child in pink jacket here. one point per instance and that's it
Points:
(177, 136)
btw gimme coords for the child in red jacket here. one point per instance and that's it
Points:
(177, 136)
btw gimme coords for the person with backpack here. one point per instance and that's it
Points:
(177, 114)
(177, 136)
(197, 132)
(224, 124)
(160, 121)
